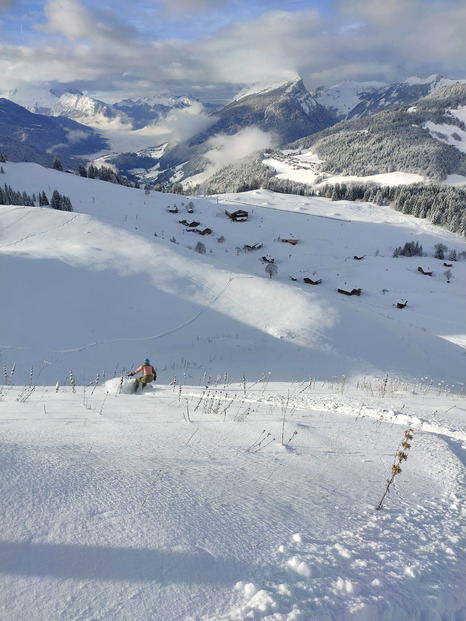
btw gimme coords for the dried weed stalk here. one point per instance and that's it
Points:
(402, 455)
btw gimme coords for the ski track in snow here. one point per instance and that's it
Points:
(161, 334)
(46, 232)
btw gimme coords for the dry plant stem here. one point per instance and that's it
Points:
(187, 417)
(259, 440)
(27, 392)
(103, 403)
(224, 412)
(200, 401)
(285, 405)
(257, 382)
(192, 435)
(72, 381)
(267, 382)
(401, 455)
(268, 478)
(261, 445)
(96, 381)
(295, 433)
(8, 378)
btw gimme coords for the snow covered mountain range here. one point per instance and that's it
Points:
(26, 136)
(87, 110)
(347, 100)
(354, 100)
(263, 117)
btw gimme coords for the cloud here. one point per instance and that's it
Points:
(178, 126)
(76, 135)
(75, 22)
(99, 49)
(181, 7)
(183, 123)
(225, 149)
(409, 37)
(272, 46)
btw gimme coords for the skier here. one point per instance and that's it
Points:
(148, 374)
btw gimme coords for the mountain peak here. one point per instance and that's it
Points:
(264, 88)
(278, 93)
(36, 99)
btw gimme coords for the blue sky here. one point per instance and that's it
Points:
(119, 48)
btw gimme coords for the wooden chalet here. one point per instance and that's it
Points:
(192, 224)
(240, 215)
(203, 230)
(251, 247)
(352, 292)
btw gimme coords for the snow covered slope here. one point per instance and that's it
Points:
(119, 278)
(231, 502)
(353, 100)
(244, 483)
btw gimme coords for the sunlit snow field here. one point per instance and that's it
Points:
(243, 484)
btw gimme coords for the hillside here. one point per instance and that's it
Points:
(354, 100)
(121, 252)
(59, 136)
(269, 116)
(424, 141)
(397, 140)
(244, 483)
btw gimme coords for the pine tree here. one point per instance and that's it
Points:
(200, 248)
(56, 200)
(439, 251)
(57, 164)
(66, 204)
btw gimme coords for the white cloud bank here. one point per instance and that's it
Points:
(228, 149)
(104, 49)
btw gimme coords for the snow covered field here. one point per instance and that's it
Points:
(232, 502)
(243, 484)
